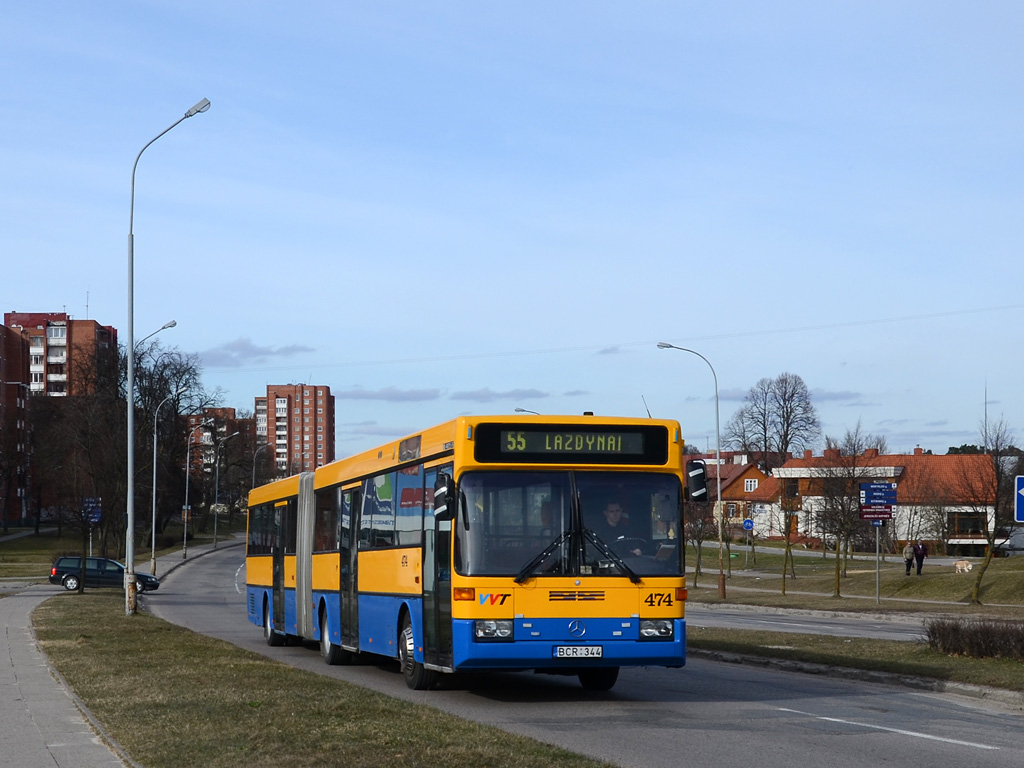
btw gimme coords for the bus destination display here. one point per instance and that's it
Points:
(582, 443)
(554, 444)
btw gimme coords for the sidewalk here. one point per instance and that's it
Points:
(44, 723)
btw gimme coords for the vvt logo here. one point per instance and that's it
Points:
(494, 599)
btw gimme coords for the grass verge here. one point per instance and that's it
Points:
(172, 697)
(895, 657)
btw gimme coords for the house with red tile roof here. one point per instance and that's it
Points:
(947, 499)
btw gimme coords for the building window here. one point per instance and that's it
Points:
(750, 485)
(731, 509)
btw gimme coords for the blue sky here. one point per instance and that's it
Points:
(440, 208)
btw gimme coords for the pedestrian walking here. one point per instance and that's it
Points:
(908, 556)
(920, 553)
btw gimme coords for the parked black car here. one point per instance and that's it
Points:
(99, 572)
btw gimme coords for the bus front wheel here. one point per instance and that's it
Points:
(272, 638)
(599, 678)
(416, 675)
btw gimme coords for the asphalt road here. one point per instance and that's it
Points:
(809, 622)
(706, 713)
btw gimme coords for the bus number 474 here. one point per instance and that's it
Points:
(658, 598)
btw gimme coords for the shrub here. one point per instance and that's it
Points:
(979, 638)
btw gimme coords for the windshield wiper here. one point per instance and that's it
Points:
(529, 568)
(611, 555)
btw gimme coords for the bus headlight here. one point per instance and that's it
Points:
(656, 629)
(492, 629)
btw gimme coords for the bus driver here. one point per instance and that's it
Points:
(613, 527)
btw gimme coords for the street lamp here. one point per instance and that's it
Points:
(216, 484)
(718, 470)
(130, 603)
(254, 455)
(185, 512)
(164, 327)
(152, 552)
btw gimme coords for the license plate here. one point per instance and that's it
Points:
(578, 651)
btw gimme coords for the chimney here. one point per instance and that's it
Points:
(808, 454)
(919, 451)
(832, 453)
(870, 453)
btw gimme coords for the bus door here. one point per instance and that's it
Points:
(277, 571)
(349, 576)
(437, 580)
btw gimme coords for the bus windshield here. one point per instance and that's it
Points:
(568, 523)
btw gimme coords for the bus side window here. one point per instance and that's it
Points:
(377, 528)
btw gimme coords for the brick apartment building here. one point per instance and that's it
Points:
(298, 421)
(64, 355)
(44, 354)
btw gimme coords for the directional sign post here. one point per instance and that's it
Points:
(877, 501)
(1018, 507)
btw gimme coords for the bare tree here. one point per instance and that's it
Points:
(698, 526)
(776, 418)
(842, 472)
(990, 493)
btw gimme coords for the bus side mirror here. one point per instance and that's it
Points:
(696, 480)
(444, 493)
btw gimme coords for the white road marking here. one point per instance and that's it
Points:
(900, 731)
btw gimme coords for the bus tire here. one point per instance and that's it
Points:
(331, 654)
(272, 638)
(416, 675)
(599, 678)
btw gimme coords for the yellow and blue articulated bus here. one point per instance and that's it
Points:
(505, 543)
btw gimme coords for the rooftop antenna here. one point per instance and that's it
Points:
(985, 428)
(646, 408)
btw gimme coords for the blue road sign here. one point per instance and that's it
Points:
(873, 494)
(93, 508)
(748, 524)
(1018, 506)
(878, 487)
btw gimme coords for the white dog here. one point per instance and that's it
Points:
(962, 566)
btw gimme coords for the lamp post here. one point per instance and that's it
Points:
(186, 510)
(216, 484)
(718, 469)
(254, 455)
(156, 416)
(130, 602)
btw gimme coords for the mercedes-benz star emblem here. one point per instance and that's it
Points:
(577, 628)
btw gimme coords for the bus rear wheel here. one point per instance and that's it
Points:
(599, 678)
(417, 677)
(331, 654)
